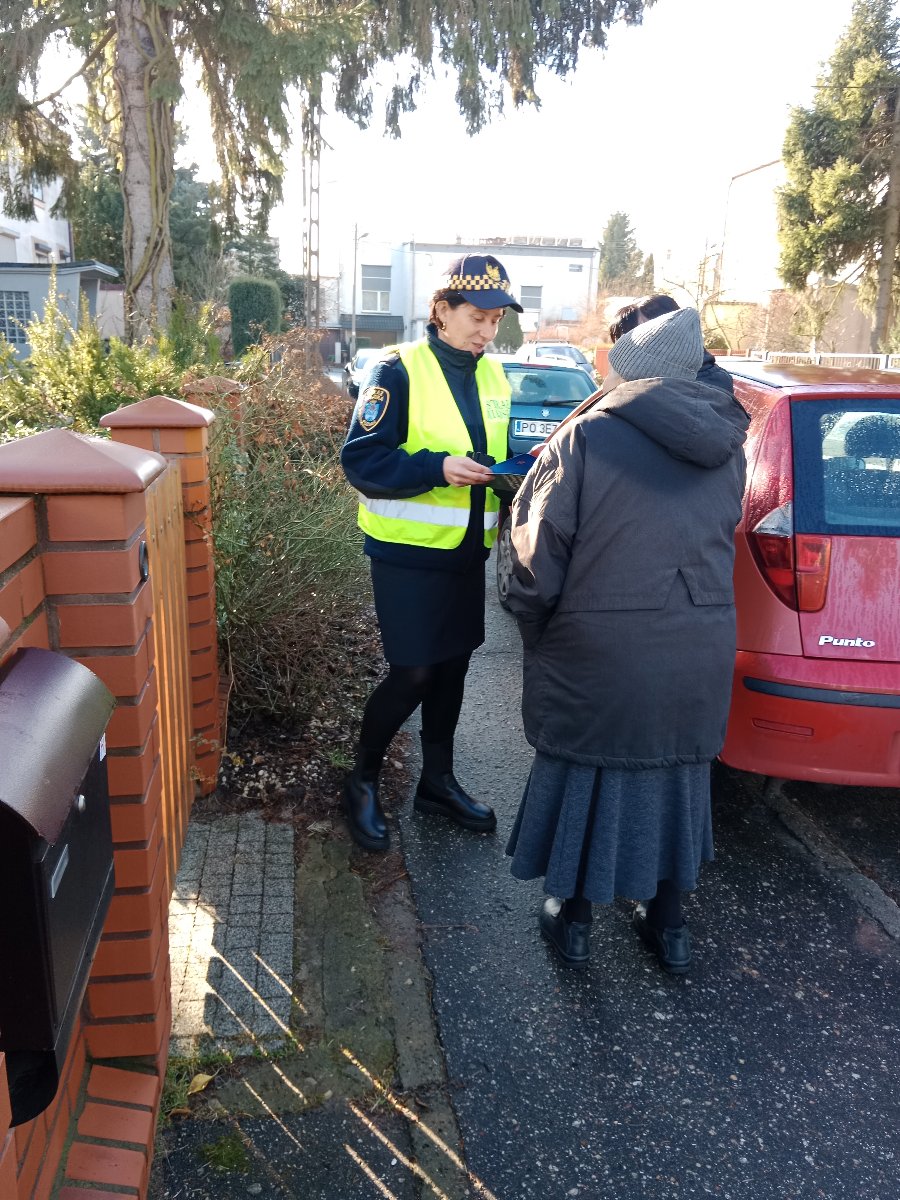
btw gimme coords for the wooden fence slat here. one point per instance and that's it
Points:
(165, 545)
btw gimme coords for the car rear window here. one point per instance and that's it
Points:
(547, 386)
(847, 466)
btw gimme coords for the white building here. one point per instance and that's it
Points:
(554, 279)
(46, 239)
(30, 250)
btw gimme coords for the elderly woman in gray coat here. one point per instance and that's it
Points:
(623, 547)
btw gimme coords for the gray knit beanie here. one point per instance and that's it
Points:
(668, 347)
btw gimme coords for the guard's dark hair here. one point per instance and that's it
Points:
(632, 315)
(453, 298)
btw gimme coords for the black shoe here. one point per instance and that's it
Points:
(672, 946)
(570, 939)
(439, 793)
(362, 808)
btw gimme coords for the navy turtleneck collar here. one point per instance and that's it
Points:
(449, 356)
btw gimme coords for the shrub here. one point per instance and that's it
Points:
(256, 306)
(508, 337)
(73, 377)
(290, 576)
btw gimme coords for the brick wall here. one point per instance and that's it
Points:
(72, 523)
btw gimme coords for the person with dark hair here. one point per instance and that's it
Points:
(638, 311)
(431, 416)
(648, 309)
(623, 551)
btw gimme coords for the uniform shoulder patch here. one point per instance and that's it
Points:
(372, 406)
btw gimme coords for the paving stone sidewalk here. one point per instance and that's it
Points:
(231, 940)
(309, 975)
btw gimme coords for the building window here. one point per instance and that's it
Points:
(530, 298)
(576, 266)
(15, 313)
(37, 190)
(41, 253)
(376, 289)
(7, 247)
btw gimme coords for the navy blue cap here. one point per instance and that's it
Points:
(481, 279)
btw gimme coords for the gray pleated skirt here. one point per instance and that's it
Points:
(603, 832)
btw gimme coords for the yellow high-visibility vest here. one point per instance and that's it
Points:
(439, 518)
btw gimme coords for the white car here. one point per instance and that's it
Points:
(561, 353)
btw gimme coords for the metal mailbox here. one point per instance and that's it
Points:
(56, 862)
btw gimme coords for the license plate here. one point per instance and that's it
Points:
(523, 428)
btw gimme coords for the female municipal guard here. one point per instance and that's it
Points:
(430, 414)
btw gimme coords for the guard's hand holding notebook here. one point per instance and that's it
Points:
(511, 475)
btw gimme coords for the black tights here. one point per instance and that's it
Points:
(663, 911)
(438, 688)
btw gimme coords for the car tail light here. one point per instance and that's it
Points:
(795, 566)
(812, 556)
(772, 543)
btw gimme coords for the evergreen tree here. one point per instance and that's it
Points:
(251, 54)
(840, 208)
(195, 231)
(509, 332)
(97, 210)
(254, 253)
(648, 275)
(621, 265)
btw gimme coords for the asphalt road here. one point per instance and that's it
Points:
(769, 1072)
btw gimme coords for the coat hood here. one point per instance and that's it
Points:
(692, 421)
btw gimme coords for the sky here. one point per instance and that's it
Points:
(655, 126)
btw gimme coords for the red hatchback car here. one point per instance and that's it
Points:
(816, 691)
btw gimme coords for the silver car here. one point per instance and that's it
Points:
(357, 368)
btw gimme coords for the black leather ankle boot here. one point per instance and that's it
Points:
(365, 816)
(440, 793)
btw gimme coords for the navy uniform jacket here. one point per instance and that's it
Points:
(375, 465)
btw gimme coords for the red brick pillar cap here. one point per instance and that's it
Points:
(159, 412)
(58, 461)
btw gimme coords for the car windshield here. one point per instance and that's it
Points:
(548, 385)
(847, 466)
(362, 358)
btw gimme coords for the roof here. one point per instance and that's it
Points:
(810, 379)
(88, 267)
(373, 322)
(502, 249)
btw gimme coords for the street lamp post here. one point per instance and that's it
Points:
(357, 238)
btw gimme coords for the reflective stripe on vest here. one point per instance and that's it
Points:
(439, 518)
(410, 510)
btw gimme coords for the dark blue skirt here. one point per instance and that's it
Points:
(646, 826)
(426, 617)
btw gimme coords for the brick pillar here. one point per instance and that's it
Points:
(213, 389)
(91, 523)
(180, 432)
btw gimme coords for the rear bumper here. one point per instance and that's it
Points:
(818, 720)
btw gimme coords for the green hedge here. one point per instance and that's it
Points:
(256, 306)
